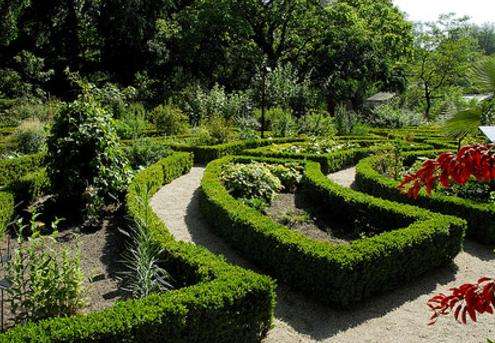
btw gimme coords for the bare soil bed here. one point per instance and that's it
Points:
(100, 253)
(291, 210)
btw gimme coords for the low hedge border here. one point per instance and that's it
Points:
(331, 161)
(14, 168)
(205, 154)
(219, 302)
(337, 275)
(479, 216)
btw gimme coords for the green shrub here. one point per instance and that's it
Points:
(283, 123)
(216, 130)
(30, 137)
(31, 186)
(217, 302)
(131, 125)
(170, 120)
(345, 120)
(335, 274)
(45, 282)
(85, 163)
(145, 151)
(7, 204)
(252, 180)
(12, 169)
(317, 124)
(389, 116)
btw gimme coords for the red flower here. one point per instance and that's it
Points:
(476, 161)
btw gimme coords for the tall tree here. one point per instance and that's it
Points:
(443, 53)
(358, 49)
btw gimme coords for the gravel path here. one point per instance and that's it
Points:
(399, 316)
(344, 177)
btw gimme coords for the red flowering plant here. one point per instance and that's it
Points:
(475, 161)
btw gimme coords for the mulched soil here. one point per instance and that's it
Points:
(292, 205)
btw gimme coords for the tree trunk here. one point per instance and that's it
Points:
(331, 105)
(428, 103)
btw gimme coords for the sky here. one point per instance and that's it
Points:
(480, 11)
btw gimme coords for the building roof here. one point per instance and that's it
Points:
(382, 96)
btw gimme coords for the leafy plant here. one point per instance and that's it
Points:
(132, 123)
(391, 163)
(317, 124)
(216, 130)
(170, 120)
(252, 180)
(144, 152)
(143, 274)
(448, 168)
(46, 281)
(289, 175)
(345, 120)
(391, 117)
(293, 218)
(30, 137)
(283, 123)
(85, 163)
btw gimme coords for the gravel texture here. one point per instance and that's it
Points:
(398, 316)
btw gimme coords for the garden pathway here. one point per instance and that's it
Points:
(398, 316)
(344, 177)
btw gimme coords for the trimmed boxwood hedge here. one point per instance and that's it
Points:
(479, 216)
(205, 154)
(414, 240)
(15, 168)
(6, 210)
(218, 303)
(332, 161)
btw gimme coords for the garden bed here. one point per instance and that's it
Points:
(217, 302)
(480, 216)
(344, 274)
(100, 263)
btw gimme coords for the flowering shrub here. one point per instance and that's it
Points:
(318, 147)
(448, 169)
(476, 161)
(253, 180)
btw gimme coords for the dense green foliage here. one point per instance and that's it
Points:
(347, 273)
(85, 163)
(218, 302)
(45, 282)
(159, 47)
(480, 216)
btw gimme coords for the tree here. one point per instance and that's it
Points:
(10, 11)
(443, 52)
(467, 121)
(358, 49)
(485, 36)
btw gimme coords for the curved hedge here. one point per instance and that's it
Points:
(479, 216)
(218, 302)
(413, 240)
(332, 161)
(204, 154)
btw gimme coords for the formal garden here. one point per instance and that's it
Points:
(244, 171)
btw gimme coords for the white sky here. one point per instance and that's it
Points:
(480, 11)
